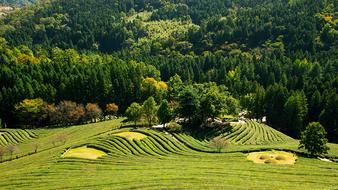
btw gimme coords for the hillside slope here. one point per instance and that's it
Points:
(157, 160)
(106, 25)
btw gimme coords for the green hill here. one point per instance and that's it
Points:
(148, 159)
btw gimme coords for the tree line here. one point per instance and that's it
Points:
(273, 58)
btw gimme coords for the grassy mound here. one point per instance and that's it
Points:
(272, 157)
(131, 135)
(84, 152)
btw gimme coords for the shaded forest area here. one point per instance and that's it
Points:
(278, 58)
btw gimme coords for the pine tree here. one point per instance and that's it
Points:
(134, 112)
(296, 111)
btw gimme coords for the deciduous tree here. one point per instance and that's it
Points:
(93, 111)
(149, 110)
(134, 112)
(164, 113)
(219, 143)
(29, 110)
(313, 139)
(71, 112)
(112, 108)
(188, 103)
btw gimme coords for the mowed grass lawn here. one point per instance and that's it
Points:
(191, 170)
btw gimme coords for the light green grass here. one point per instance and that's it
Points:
(83, 152)
(131, 135)
(159, 161)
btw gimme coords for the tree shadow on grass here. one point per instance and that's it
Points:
(207, 133)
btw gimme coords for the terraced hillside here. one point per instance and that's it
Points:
(149, 159)
(253, 133)
(15, 136)
(146, 142)
(152, 144)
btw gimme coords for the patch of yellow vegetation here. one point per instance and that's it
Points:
(84, 152)
(273, 157)
(131, 135)
(328, 18)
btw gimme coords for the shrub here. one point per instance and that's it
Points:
(173, 127)
(219, 143)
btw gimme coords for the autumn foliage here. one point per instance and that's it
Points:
(112, 108)
(93, 111)
(36, 112)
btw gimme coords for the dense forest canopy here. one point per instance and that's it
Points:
(277, 57)
(16, 3)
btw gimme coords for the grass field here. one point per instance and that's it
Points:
(159, 161)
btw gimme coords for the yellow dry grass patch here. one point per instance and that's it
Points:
(83, 152)
(131, 135)
(273, 157)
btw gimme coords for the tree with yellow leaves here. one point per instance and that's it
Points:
(28, 111)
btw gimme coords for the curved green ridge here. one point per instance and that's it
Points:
(15, 136)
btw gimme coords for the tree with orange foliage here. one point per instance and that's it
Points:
(50, 114)
(93, 111)
(71, 112)
(112, 109)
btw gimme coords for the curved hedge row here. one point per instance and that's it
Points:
(255, 133)
(155, 144)
(15, 136)
(162, 143)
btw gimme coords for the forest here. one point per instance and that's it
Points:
(15, 3)
(274, 58)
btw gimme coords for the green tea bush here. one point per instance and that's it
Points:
(173, 127)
